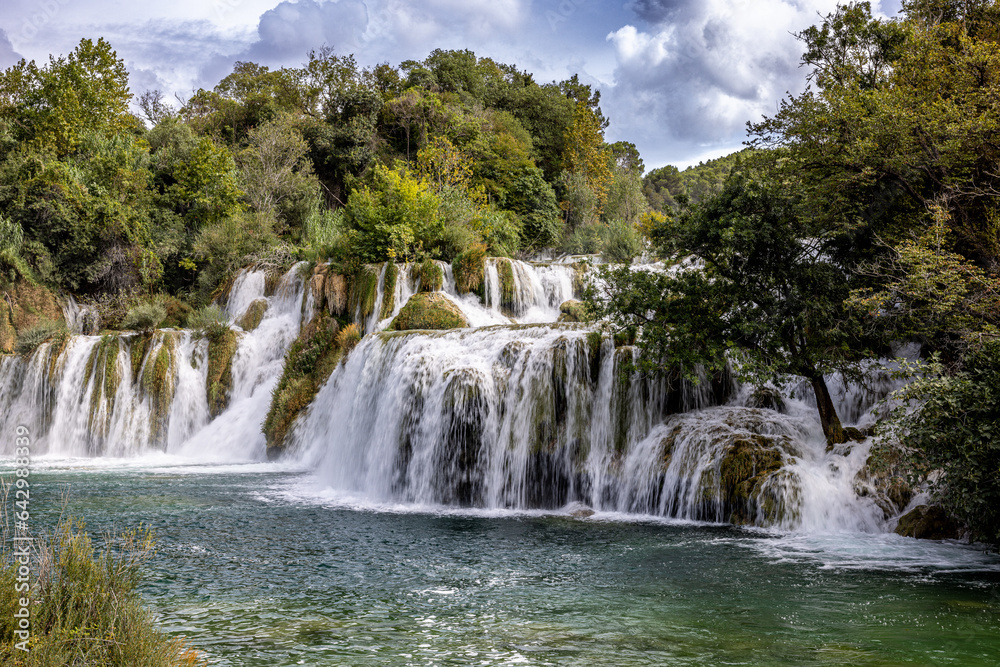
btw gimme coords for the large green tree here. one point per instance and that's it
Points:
(759, 286)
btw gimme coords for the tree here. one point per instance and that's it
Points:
(586, 154)
(764, 290)
(52, 105)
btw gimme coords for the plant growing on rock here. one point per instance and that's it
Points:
(145, 317)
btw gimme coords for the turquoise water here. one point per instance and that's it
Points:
(258, 566)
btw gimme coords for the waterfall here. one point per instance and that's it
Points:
(500, 417)
(128, 393)
(81, 318)
(516, 412)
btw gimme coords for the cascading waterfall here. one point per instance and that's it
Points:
(129, 393)
(495, 417)
(526, 294)
(515, 412)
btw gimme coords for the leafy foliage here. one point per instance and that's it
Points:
(954, 432)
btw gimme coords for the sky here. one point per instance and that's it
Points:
(679, 78)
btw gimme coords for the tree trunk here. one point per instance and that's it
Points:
(832, 428)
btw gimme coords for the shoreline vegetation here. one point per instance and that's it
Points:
(862, 216)
(85, 607)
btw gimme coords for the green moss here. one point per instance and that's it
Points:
(431, 276)
(157, 380)
(573, 311)
(928, 522)
(102, 368)
(255, 313)
(429, 311)
(579, 277)
(222, 343)
(311, 359)
(389, 291)
(137, 353)
(364, 290)
(508, 288)
(469, 269)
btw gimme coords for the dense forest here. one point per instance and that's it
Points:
(426, 160)
(862, 215)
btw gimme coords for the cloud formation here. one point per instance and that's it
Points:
(8, 56)
(690, 81)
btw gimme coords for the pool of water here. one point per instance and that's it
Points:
(258, 565)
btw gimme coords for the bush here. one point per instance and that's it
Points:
(145, 317)
(469, 269)
(211, 321)
(954, 432)
(29, 340)
(584, 240)
(621, 242)
(431, 276)
(86, 607)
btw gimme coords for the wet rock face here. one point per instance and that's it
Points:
(767, 398)
(928, 522)
(429, 310)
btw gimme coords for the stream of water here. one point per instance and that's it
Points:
(259, 565)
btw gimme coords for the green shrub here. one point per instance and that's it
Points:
(621, 242)
(29, 340)
(86, 607)
(431, 276)
(469, 269)
(210, 320)
(145, 317)
(586, 239)
(954, 434)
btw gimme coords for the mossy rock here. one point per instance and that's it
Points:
(746, 464)
(219, 379)
(138, 345)
(311, 359)
(469, 269)
(854, 434)
(429, 311)
(177, 312)
(928, 522)
(431, 276)
(508, 286)
(573, 311)
(364, 290)
(389, 291)
(103, 367)
(580, 270)
(252, 317)
(158, 380)
(767, 398)
(884, 479)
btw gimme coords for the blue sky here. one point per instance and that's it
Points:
(679, 78)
